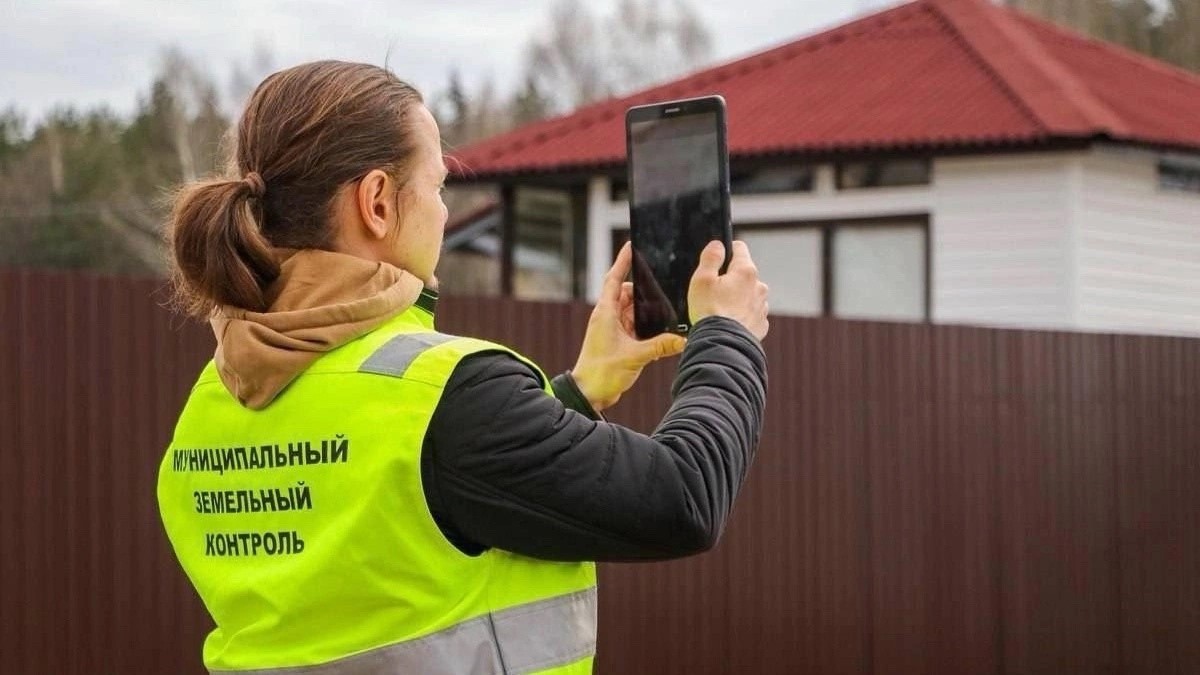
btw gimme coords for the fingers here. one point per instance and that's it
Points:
(711, 259)
(740, 261)
(625, 308)
(662, 346)
(626, 295)
(611, 290)
(762, 291)
(713, 256)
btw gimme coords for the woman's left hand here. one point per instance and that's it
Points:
(612, 357)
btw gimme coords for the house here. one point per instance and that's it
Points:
(943, 160)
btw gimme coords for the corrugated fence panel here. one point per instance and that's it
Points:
(87, 403)
(1158, 467)
(837, 561)
(926, 499)
(904, 522)
(11, 509)
(1056, 502)
(962, 481)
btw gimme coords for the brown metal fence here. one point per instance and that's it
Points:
(927, 499)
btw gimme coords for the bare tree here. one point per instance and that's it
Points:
(245, 77)
(529, 103)
(194, 102)
(488, 115)
(54, 147)
(465, 116)
(1181, 34)
(567, 59)
(577, 57)
(12, 133)
(1165, 29)
(452, 109)
(650, 42)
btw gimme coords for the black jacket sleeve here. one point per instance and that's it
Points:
(567, 392)
(506, 466)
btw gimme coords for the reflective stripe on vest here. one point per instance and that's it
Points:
(398, 354)
(521, 639)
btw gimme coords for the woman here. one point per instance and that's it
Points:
(353, 492)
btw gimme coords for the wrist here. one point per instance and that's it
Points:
(589, 388)
(567, 390)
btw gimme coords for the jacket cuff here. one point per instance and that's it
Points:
(567, 391)
(729, 326)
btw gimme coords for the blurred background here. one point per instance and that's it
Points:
(108, 105)
(924, 167)
(980, 222)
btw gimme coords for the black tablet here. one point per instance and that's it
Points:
(678, 202)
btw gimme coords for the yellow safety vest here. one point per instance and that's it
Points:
(305, 530)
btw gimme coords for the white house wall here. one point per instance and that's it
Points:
(1001, 227)
(999, 232)
(1083, 240)
(1138, 247)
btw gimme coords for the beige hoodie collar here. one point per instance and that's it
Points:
(320, 301)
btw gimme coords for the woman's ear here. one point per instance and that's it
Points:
(376, 203)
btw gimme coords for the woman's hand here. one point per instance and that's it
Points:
(738, 294)
(612, 357)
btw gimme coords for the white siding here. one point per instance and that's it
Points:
(1001, 240)
(999, 232)
(1075, 240)
(1138, 248)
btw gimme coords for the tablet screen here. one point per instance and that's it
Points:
(677, 207)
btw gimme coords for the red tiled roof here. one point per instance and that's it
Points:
(929, 74)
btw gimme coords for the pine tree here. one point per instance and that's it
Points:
(529, 104)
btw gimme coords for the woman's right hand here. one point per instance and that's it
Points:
(738, 294)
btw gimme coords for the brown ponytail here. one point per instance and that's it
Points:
(306, 131)
(221, 256)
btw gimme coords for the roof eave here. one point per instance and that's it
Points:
(833, 152)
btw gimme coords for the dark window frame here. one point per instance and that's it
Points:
(839, 170)
(577, 255)
(1190, 171)
(744, 174)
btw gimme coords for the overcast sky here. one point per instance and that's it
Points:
(105, 51)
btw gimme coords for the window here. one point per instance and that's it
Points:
(789, 261)
(618, 189)
(1179, 174)
(873, 268)
(772, 180)
(883, 173)
(878, 272)
(543, 253)
(470, 262)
